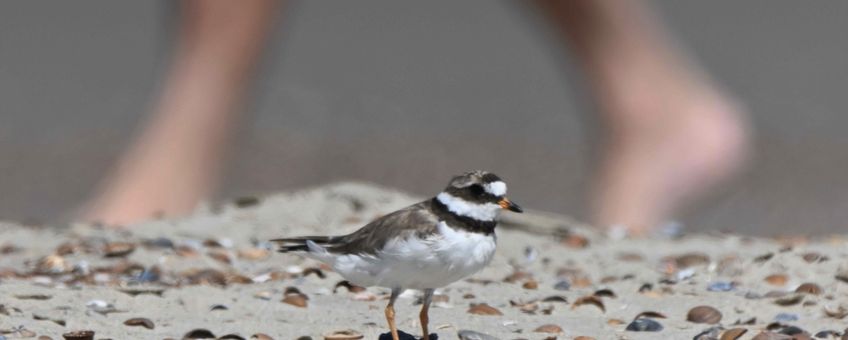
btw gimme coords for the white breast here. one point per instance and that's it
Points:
(436, 261)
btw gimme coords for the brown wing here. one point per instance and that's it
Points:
(414, 220)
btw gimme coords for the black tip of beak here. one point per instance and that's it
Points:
(508, 205)
(514, 207)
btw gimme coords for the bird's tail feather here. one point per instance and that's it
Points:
(299, 243)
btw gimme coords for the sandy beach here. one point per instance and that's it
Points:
(551, 277)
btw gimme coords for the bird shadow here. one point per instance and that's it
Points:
(405, 336)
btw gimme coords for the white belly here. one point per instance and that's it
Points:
(445, 257)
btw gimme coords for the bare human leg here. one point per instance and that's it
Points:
(390, 312)
(424, 316)
(670, 135)
(177, 159)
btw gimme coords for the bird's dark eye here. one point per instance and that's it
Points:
(476, 190)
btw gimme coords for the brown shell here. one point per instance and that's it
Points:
(143, 322)
(483, 309)
(704, 314)
(733, 333)
(549, 328)
(809, 288)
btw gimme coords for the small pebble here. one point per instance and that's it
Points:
(786, 317)
(721, 286)
(562, 285)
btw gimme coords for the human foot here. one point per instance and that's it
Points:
(665, 147)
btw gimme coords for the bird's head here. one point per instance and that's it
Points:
(477, 194)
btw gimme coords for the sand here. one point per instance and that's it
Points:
(212, 271)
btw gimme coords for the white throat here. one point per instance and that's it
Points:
(480, 212)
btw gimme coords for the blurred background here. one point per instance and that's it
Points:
(406, 95)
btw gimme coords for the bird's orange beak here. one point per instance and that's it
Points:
(508, 205)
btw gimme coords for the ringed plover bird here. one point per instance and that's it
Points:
(423, 246)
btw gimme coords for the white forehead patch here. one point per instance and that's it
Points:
(496, 188)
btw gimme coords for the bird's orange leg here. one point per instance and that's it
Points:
(423, 316)
(390, 313)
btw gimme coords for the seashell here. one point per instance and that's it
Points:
(254, 254)
(135, 291)
(483, 309)
(297, 300)
(264, 295)
(230, 337)
(763, 258)
(592, 300)
(562, 285)
(766, 335)
(751, 321)
(711, 333)
(827, 334)
(186, 251)
(118, 249)
(261, 336)
(691, 260)
(794, 331)
(644, 325)
(465, 334)
(721, 286)
(218, 307)
(733, 333)
(604, 293)
(528, 307)
(52, 264)
(609, 279)
(811, 257)
(549, 328)
(79, 335)
(66, 248)
(143, 322)
(347, 334)
(530, 284)
(33, 297)
(313, 270)
(786, 317)
(206, 277)
(582, 282)
(517, 276)
(44, 337)
(159, 242)
(101, 307)
(199, 333)
(685, 274)
(555, 298)
(615, 322)
(777, 279)
(838, 312)
(650, 314)
(220, 255)
(704, 314)
(575, 241)
(809, 288)
(790, 300)
(350, 287)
